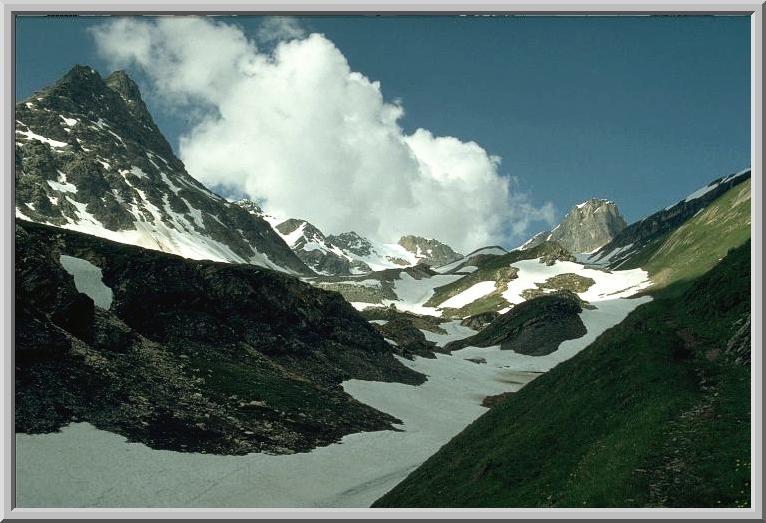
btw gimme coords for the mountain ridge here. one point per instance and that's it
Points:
(89, 157)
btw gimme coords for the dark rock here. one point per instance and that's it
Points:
(535, 327)
(182, 338)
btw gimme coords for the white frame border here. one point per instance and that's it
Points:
(754, 8)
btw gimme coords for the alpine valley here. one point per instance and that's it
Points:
(177, 349)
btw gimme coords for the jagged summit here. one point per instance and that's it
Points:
(89, 157)
(588, 226)
(122, 84)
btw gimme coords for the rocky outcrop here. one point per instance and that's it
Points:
(586, 227)
(739, 346)
(535, 327)
(479, 321)
(192, 356)
(429, 251)
(89, 157)
(352, 242)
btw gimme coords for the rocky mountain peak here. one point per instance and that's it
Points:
(122, 84)
(588, 226)
(89, 157)
(430, 251)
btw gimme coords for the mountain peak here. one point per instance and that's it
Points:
(594, 203)
(428, 250)
(80, 73)
(588, 226)
(122, 84)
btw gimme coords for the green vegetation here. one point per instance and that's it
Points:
(499, 270)
(561, 282)
(697, 245)
(656, 412)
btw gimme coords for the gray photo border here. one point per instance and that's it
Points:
(11, 8)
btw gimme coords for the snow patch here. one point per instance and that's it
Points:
(62, 185)
(33, 136)
(88, 280)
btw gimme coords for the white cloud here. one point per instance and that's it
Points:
(300, 130)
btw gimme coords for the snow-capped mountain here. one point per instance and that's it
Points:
(311, 246)
(349, 253)
(588, 226)
(410, 251)
(640, 234)
(90, 158)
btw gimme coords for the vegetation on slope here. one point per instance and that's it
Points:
(499, 270)
(656, 412)
(699, 243)
(193, 356)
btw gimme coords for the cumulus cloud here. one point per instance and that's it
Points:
(296, 128)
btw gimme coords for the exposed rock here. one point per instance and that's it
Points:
(739, 346)
(535, 327)
(586, 227)
(479, 321)
(311, 246)
(432, 252)
(89, 157)
(193, 356)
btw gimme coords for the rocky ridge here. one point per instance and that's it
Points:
(90, 158)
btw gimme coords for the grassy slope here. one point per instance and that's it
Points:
(697, 245)
(642, 417)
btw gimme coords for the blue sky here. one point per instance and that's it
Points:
(640, 110)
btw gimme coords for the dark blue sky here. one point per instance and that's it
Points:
(641, 110)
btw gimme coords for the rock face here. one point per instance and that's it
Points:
(352, 242)
(535, 327)
(431, 252)
(588, 226)
(316, 251)
(190, 355)
(638, 235)
(90, 158)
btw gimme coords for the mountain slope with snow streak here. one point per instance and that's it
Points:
(643, 234)
(90, 158)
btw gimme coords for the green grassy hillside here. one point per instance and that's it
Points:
(700, 242)
(656, 412)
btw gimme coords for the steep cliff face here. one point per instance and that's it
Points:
(186, 355)
(588, 226)
(90, 158)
